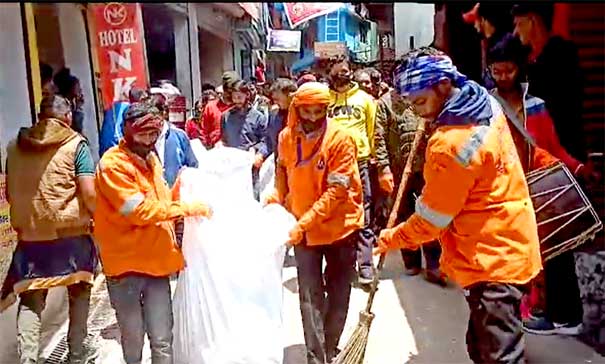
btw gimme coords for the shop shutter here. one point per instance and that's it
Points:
(587, 30)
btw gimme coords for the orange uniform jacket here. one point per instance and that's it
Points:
(318, 181)
(134, 216)
(476, 201)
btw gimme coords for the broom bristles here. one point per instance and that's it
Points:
(355, 350)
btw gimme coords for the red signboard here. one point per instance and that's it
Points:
(119, 42)
(298, 13)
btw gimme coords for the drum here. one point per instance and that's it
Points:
(565, 217)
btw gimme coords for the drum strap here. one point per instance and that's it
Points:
(510, 114)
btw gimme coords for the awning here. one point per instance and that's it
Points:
(252, 9)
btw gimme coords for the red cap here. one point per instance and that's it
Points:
(306, 78)
(471, 16)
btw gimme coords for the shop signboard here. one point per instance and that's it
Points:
(324, 50)
(119, 42)
(283, 40)
(298, 13)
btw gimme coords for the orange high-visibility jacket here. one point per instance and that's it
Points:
(318, 181)
(134, 216)
(476, 201)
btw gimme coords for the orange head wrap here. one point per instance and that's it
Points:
(310, 93)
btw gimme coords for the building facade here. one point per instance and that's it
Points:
(186, 43)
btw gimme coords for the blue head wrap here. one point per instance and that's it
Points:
(425, 71)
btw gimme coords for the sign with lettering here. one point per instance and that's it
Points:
(120, 49)
(327, 50)
(298, 13)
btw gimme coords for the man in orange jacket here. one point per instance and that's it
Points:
(317, 180)
(475, 200)
(134, 227)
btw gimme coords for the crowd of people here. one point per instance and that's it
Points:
(340, 142)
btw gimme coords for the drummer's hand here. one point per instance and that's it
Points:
(386, 241)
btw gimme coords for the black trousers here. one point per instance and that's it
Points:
(431, 252)
(324, 297)
(562, 293)
(495, 330)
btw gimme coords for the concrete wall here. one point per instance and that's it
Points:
(183, 61)
(215, 42)
(194, 44)
(14, 95)
(413, 19)
(75, 52)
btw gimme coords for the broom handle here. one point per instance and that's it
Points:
(407, 171)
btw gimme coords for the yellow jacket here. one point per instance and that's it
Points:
(355, 111)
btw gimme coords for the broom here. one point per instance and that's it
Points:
(355, 349)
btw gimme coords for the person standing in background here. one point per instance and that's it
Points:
(113, 121)
(46, 77)
(211, 132)
(355, 111)
(281, 92)
(553, 72)
(193, 126)
(259, 101)
(492, 21)
(50, 188)
(555, 76)
(174, 151)
(69, 87)
(172, 147)
(245, 128)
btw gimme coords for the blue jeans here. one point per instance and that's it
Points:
(366, 236)
(143, 305)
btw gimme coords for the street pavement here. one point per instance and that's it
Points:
(416, 322)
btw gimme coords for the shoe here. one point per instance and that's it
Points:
(364, 281)
(542, 326)
(435, 277)
(412, 271)
(536, 314)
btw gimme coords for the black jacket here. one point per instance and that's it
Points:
(556, 77)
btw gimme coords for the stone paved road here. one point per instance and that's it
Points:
(415, 323)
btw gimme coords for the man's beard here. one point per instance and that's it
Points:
(139, 149)
(339, 81)
(309, 126)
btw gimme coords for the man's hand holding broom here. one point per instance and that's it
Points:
(386, 241)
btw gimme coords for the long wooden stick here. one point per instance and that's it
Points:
(407, 171)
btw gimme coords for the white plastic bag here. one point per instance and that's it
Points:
(228, 301)
(197, 147)
(266, 177)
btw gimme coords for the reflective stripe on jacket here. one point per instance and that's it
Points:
(134, 216)
(318, 181)
(476, 201)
